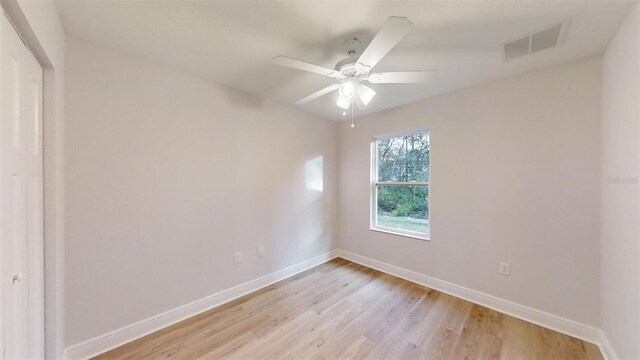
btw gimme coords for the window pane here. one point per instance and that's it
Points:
(404, 207)
(404, 158)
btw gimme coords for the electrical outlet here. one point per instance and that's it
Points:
(348, 233)
(504, 269)
(236, 258)
(260, 251)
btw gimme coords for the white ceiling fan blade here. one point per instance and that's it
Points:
(318, 93)
(305, 66)
(394, 30)
(402, 77)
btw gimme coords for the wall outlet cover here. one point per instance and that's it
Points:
(504, 269)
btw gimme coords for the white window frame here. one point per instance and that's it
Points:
(375, 183)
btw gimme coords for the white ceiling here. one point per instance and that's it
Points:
(232, 42)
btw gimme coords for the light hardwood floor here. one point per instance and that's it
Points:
(342, 310)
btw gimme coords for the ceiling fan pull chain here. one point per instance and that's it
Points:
(352, 124)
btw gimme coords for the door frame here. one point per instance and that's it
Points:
(34, 23)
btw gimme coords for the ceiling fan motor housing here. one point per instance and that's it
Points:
(349, 69)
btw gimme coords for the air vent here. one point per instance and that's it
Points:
(517, 48)
(547, 38)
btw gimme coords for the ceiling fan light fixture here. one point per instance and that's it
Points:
(343, 103)
(347, 89)
(366, 94)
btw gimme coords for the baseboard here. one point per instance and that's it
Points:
(605, 348)
(113, 339)
(550, 321)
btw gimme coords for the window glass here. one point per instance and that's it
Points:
(404, 158)
(403, 207)
(401, 187)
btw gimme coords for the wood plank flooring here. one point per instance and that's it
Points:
(342, 310)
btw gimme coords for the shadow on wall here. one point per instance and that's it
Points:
(242, 99)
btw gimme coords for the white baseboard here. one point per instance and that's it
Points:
(605, 348)
(118, 337)
(544, 319)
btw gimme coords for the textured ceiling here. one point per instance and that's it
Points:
(232, 42)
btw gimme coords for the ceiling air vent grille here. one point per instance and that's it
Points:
(547, 38)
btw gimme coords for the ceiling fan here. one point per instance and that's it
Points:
(351, 72)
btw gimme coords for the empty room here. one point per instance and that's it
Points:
(185, 179)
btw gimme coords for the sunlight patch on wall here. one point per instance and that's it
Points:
(314, 174)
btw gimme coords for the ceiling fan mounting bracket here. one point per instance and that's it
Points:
(353, 46)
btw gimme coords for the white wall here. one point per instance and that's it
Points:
(39, 25)
(169, 175)
(620, 236)
(515, 169)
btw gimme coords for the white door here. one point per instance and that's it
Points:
(21, 200)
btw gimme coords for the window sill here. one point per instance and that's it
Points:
(401, 233)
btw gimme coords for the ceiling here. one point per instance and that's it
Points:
(232, 42)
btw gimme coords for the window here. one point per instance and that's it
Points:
(400, 187)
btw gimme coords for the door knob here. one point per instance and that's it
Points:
(17, 277)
